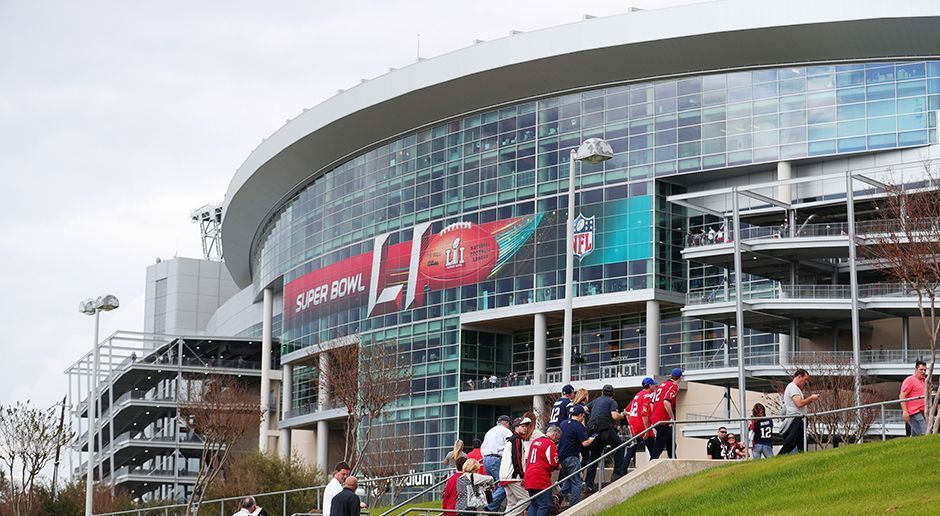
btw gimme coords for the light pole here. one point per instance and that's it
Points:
(592, 150)
(105, 303)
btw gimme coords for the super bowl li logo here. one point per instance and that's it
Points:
(453, 257)
(583, 244)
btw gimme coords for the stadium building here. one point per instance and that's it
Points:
(424, 211)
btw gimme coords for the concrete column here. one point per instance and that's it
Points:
(323, 382)
(267, 314)
(652, 338)
(784, 348)
(784, 172)
(323, 446)
(541, 344)
(905, 336)
(287, 395)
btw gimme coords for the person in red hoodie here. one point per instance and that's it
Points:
(449, 501)
(541, 461)
(477, 455)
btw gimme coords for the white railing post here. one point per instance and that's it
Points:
(884, 423)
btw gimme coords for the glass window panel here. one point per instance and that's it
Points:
(851, 111)
(713, 146)
(933, 68)
(738, 79)
(712, 98)
(792, 103)
(912, 105)
(739, 126)
(792, 86)
(883, 108)
(665, 90)
(792, 135)
(882, 141)
(687, 134)
(821, 98)
(766, 106)
(853, 128)
(793, 118)
(820, 148)
(879, 73)
(713, 130)
(820, 82)
(766, 154)
(880, 91)
(882, 125)
(911, 71)
(821, 132)
(821, 115)
(688, 86)
(713, 114)
(717, 82)
(765, 122)
(765, 91)
(739, 142)
(851, 95)
(690, 149)
(910, 122)
(765, 138)
(739, 94)
(853, 78)
(913, 138)
(852, 144)
(911, 88)
(764, 75)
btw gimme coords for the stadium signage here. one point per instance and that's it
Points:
(397, 276)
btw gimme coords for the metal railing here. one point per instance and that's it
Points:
(783, 291)
(698, 419)
(496, 382)
(315, 491)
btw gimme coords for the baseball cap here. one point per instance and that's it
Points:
(577, 410)
(503, 418)
(676, 373)
(567, 389)
(649, 381)
(608, 389)
(521, 421)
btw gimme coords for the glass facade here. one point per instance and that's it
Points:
(504, 171)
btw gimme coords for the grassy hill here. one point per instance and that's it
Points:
(898, 477)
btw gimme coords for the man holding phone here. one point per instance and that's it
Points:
(795, 404)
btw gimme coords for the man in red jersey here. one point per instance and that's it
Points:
(664, 409)
(449, 500)
(638, 417)
(541, 461)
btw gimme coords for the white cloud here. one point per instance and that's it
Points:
(118, 118)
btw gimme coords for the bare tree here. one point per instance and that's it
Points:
(908, 250)
(220, 410)
(390, 454)
(29, 439)
(366, 380)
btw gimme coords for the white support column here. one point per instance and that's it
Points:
(853, 285)
(739, 313)
(287, 395)
(905, 336)
(540, 329)
(784, 172)
(267, 314)
(652, 338)
(323, 446)
(323, 382)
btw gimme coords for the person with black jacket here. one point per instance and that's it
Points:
(604, 413)
(347, 502)
(716, 444)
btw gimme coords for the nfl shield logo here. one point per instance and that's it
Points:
(583, 236)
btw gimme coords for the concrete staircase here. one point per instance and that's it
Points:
(652, 474)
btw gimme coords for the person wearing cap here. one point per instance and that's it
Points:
(664, 409)
(604, 412)
(574, 439)
(638, 418)
(492, 449)
(540, 462)
(561, 406)
(512, 468)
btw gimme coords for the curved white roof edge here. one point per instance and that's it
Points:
(636, 45)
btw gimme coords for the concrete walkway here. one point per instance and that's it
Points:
(652, 474)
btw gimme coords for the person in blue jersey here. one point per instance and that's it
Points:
(562, 406)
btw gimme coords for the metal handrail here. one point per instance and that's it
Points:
(633, 439)
(272, 493)
(415, 497)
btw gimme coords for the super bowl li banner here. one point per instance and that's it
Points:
(394, 277)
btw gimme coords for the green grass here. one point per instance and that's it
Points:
(375, 511)
(898, 477)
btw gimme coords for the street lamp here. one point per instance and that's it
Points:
(105, 303)
(592, 150)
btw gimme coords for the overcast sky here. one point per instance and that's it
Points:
(118, 118)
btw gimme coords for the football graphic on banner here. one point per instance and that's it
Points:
(462, 254)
